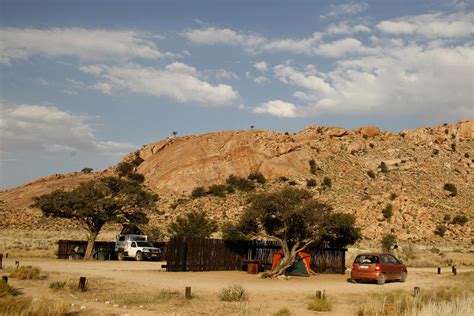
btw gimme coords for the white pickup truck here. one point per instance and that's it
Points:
(135, 246)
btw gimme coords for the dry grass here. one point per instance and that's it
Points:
(26, 273)
(319, 304)
(283, 312)
(399, 302)
(6, 289)
(233, 293)
(15, 305)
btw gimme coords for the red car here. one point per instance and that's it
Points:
(377, 266)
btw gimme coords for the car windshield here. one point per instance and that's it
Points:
(366, 259)
(144, 244)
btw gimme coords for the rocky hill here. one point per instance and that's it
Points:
(368, 169)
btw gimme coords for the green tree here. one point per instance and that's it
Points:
(87, 170)
(293, 218)
(123, 169)
(193, 225)
(97, 202)
(388, 241)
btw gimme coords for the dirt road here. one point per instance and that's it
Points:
(266, 296)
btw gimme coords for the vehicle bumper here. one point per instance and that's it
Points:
(358, 275)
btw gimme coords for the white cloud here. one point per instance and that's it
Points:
(38, 128)
(256, 44)
(277, 108)
(435, 25)
(177, 81)
(261, 66)
(345, 9)
(340, 48)
(407, 80)
(261, 80)
(86, 44)
(346, 28)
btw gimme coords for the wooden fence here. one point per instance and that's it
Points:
(104, 250)
(215, 254)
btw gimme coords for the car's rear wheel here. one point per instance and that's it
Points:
(403, 278)
(382, 279)
(139, 256)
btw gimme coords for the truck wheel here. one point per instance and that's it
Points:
(139, 256)
(120, 256)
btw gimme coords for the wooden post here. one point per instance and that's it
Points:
(324, 295)
(455, 271)
(439, 270)
(17, 263)
(5, 279)
(319, 294)
(82, 284)
(416, 291)
(6, 255)
(1, 258)
(187, 293)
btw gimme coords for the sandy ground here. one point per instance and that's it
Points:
(140, 288)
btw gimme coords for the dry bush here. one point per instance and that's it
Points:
(13, 305)
(319, 304)
(6, 289)
(400, 302)
(26, 273)
(233, 293)
(283, 312)
(57, 285)
(47, 307)
(459, 306)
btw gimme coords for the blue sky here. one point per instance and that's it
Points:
(83, 82)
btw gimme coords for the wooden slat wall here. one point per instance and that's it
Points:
(215, 254)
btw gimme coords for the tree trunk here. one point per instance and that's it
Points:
(287, 260)
(90, 245)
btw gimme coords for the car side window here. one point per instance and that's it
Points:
(134, 244)
(393, 259)
(384, 259)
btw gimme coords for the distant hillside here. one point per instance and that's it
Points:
(368, 169)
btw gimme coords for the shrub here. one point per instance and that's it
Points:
(440, 230)
(240, 183)
(313, 168)
(435, 151)
(451, 188)
(327, 182)
(447, 218)
(198, 192)
(310, 183)
(460, 220)
(232, 232)
(466, 155)
(393, 196)
(283, 179)
(193, 225)
(123, 168)
(388, 241)
(257, 176)
(283, 312)
(233, 293)
(87, 170)
(26, 273)
(371, 174)
(217, 190)
(292, 182)
(154, 233)
(57, 285)
(383, 167)
(6, 289)
(453, 147)
(13, 305)
(135, 176)
(137, 160)
(319, 304)
(388, 211)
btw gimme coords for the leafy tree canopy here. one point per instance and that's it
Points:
(193, 225)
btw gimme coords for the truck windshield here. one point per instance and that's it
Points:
(144, 244)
